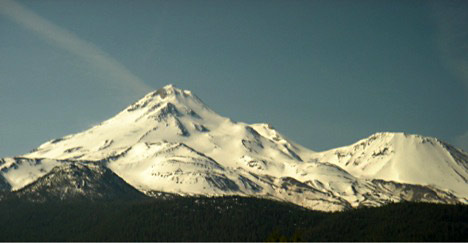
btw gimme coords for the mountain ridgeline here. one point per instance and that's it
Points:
(171, 144)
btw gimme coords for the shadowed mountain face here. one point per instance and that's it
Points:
(4, 186)
(170, 141)
(79, 181)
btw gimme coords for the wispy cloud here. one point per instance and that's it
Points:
(120, 77)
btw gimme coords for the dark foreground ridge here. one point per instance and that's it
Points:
(177, 218)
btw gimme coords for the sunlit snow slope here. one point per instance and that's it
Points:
(404, 158)
(171, 141)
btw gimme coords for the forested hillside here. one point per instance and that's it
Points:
(226, 219)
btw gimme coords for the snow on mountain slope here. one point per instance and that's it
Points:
(170, 141)
(404, 158)
(77, 180)
(171, 115)
(19, 172)
(175, 167)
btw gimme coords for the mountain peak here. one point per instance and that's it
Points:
(170, 90)
(169, 86)
(168, 93)
(170, 141)
(404, 137)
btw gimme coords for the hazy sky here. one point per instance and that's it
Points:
(324, 73)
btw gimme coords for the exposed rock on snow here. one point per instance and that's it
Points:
(171, 142)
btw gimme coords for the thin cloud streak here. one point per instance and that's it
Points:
(121, 77)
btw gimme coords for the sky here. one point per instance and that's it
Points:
(323, 73)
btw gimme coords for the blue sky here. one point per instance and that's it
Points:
(324, 73)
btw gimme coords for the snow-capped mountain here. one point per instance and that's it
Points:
(404, 158)
(170, 141)
(79, 180)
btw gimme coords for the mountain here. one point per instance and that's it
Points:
(78, 180)
(404, 158)
(170, 141)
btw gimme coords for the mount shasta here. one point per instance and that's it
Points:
(171, 142)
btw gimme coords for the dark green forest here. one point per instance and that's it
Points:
(226, 219)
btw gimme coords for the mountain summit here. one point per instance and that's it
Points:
(170, 141)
